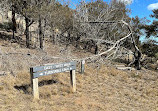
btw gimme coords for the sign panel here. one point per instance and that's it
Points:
(52, 69)
(38, 71)
(49, 72)
(53, 66)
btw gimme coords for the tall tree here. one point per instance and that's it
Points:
(40, 12)
(9, 5)
(14, 26)
(21, 7)
(137, 26)
(152, 29)
(107, 24)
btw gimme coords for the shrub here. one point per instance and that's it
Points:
(156, 55)
(6, 26)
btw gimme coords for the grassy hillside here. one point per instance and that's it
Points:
(104, 89)
(101, 88)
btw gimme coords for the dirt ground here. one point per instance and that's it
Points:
(101, 88)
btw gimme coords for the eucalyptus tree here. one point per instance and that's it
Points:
(6, 6)
(50, 15)
(21, 7)
(152, 29)
(60, 18)
(107, 24)
(41, 10)
(33, 11)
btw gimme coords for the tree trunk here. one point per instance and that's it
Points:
(27, 33)
(40, 32)
(96, 49)
(137, 56)
(77, 41)
(53, 37)
(13, 22)
(137, 52)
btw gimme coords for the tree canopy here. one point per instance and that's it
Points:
(152, 29)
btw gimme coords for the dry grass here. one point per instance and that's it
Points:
(102, 89)
(106, 89)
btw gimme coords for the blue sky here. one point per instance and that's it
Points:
(142, 8)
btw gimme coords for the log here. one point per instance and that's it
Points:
(125, 68)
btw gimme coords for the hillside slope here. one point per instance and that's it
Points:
(106, 89)
(103, 89)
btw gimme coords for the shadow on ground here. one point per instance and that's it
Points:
(25, 87)
(8, 37)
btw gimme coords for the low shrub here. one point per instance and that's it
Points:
(6, 26)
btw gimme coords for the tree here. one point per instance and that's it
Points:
(108, 25)
(32, 11)
(14, 26)
(40, 9)
(9, 5)
(152, 29)
(20, 7)
(137, 24)
(149, 48)
(101, 23)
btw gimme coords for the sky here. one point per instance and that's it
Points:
(143, 8)
(140, 8)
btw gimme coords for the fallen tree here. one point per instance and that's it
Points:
(103, 27)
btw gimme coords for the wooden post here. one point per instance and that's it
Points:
(31, 77)
(34, 85)
(35, 88)
(73, 80)
(82, 66)
(128, 58)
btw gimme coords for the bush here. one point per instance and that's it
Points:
(150, 49)
(156, 56)
(6, 26)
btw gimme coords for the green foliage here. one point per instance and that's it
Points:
(61, 17)
(151, 30)
(137, 24)
(155, 14)
(150, 49)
